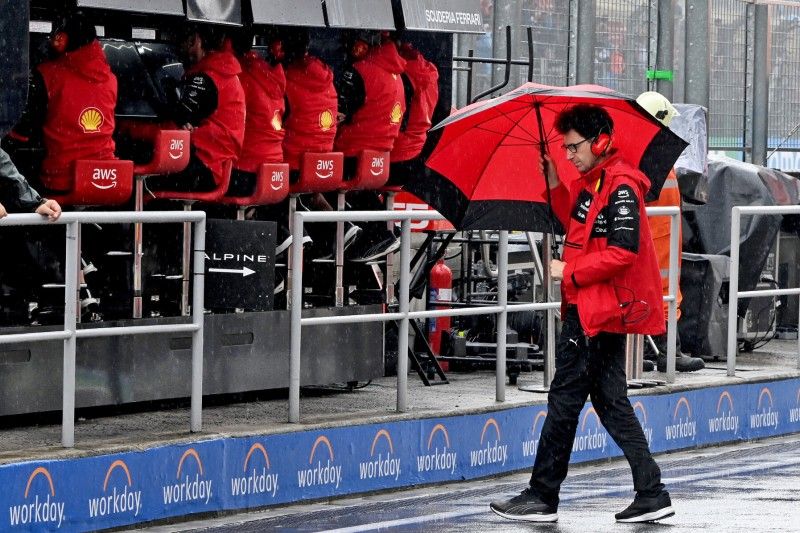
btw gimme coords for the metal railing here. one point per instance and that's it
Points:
(733, 283)
(71, 333)
(404, 315)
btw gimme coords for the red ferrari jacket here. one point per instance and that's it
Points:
(311, 115)
(424, 79)
(81, 97)
(376, 123)
(611, 271)
(217, 140)
(264, 91)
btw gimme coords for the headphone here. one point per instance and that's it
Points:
(602, 142)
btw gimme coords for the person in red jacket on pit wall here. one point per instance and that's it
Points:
(264, 84)
(610, 287)
(421, 83)
(212, 106)
(71, 101)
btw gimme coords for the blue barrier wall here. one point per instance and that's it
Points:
(238, 473)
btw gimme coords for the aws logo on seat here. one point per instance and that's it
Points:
(726, 419)
(256, 477)
(491, 450)
(277, 180)
(436, 459)
(319, 473)
(592, 436)
(91, 120)
(117, 501)
(39, 507)
(104, 178)
(765, 416)
(683, 425)
(377, 166)
(794, 412)
(641, 413)
(385, 464)
(188, 488)
(529, 446)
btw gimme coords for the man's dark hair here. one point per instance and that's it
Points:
(78, 28)
(211, 36)
(587, 119)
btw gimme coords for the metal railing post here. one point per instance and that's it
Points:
(502, 316)
(672, 309)
(296, 315)
(198, 298)
(761, 60)
(402, 334)
(71, 288)
(733, 290)
(550, 349)
(186, 256)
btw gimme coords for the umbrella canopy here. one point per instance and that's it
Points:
(486, 163)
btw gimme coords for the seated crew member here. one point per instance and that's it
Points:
(212, 106)
(71, 101)
(264, 84)
(372, 103)
(421, 83)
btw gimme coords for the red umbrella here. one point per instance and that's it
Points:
(486, 171)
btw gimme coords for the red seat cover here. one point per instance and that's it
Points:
(99, 182)
(272, 187)
(170, 153)
(372, 171)
(319, 172)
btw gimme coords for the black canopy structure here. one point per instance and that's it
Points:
(451, 16)
(360, 14)
(288, 12)
(228, 12)
(154, 7)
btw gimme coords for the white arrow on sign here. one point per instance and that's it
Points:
(244, 271)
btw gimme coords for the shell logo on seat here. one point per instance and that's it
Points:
(276, 122)
(326, 120)
(91, 119)
(397, 114)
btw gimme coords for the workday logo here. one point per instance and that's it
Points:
(794, 412)
(491, 451)
(116, 500)
(641, 413)
(256, 477)
(765, 416)
(726, 419)
(435, 459)
(385, 464)
(592, 437)
(529, 446)
(683, 426)
(39, 506)
(188, 488)
(320, 474)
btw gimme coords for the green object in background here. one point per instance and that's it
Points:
(659, 75)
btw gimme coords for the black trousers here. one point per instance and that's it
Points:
(590, 367)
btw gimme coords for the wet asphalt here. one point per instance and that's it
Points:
(745, 487)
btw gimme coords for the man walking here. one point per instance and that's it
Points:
(610, 287)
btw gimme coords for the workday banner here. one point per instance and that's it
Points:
(240, 473)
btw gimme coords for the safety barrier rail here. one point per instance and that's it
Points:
(404, 315)
(71, 333)
(733, 283)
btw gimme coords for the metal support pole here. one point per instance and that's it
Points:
(138, 237)
(760, 84)
(585, 36)
(698, 58)
(198, 296)
(390, 258)
(733, 290)
(339, 252)
(666, 39)
(502, 317)
(296, 315)
(290, 255)
(71, 299)
(672, 309)
(186, 263)
(634, 356)
(402, 335)
(550, 349)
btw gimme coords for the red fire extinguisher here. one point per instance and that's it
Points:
(441, 290)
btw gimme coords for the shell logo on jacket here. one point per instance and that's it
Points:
(397, 114)
(91, 119)
(326, 120)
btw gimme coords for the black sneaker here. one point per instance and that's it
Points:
(362, 253)
(683, 363)
(527, 507)
(647, 509)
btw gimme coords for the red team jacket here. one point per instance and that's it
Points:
(264, 90)
(218, 139)
(424, 78)
(611, 273)
(376, 124)
(81, 97)
(311, 122)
